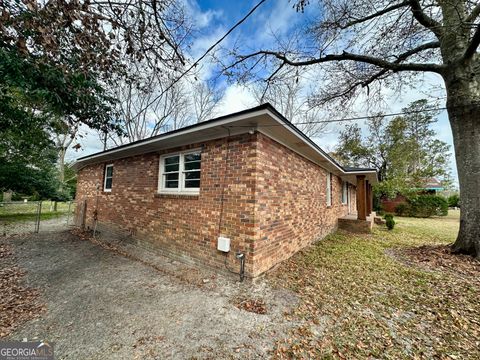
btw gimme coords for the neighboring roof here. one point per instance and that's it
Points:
(432, 184)
(263, 118)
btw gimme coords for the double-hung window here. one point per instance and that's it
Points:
(107, 182)
(180, 172)
(329, 189)
(344, 192)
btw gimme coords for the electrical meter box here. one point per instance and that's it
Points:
(223, 244)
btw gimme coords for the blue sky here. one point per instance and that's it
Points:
(278, 15)
(214, 17)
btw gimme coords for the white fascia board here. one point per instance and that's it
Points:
(286, 126)
(78, 164)
(235, 118)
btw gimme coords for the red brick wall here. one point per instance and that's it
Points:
(186, 227)
(274, 203)
(389, 205)
(291, 209)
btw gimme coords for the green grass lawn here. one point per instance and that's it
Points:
(20, 212)
(361, 298)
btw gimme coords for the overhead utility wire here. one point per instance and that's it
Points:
(360, 117)
(201, 57)
(349, 119)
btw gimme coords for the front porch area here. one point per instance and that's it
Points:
(351, 223)
(362, 220)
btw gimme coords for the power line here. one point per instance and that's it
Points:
(348, 119)
(353, 118)
(201, 58)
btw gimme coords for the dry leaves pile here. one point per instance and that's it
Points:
(440, 257)
(18, 303)
(256, 306)
(359, 302)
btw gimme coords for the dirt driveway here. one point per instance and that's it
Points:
(102, 305)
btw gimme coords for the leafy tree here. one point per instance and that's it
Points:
(27, 159)
(404, 150)
(57, 59)
(454, 200)
(361, 48)
(70, 182)
(33, 95)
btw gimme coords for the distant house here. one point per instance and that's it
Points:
(248, 182)
(430, 186)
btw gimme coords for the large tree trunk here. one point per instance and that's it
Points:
(463, 106)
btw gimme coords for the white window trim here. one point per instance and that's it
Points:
(329, 189)
(181, 174)
(105, 178)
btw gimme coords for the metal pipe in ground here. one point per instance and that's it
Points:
(39, 214)
(241, 256)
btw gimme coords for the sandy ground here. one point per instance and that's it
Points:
(102, 305)
(8, 228)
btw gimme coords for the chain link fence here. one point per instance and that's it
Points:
(19, 217)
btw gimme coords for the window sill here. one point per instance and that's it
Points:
(177, 195)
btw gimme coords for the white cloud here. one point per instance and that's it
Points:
(89, 141)
(280, 18)
(236, 98)
(200, 45)
(201, 19)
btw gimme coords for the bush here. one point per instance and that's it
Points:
(17, 197)
(389, 221)
(454, 201)
(423, 206)
(401, 209)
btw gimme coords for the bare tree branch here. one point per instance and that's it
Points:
(376, 15)
(384, 64)
(168, 37)
(473, 45)
(473, 14)
(403, 57)
(425, 20)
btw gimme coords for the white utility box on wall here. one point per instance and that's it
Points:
(223, 244)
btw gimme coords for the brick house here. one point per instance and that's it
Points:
(248, 182)
(430, 186)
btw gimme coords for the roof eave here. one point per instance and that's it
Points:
(219, 127)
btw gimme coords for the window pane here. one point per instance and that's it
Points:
(108, 183)
(173, 184)
(193, 157)
(109, 171)
(193, 165)
(172, 160)
(172, 167)
(173, 176)
(192, 175)
(192, 183)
